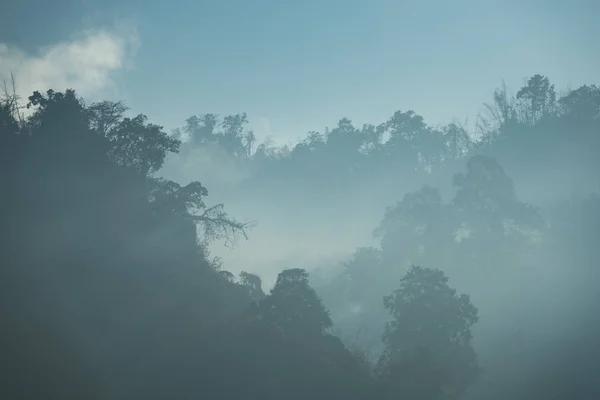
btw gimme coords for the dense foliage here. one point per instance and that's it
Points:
(109, 289)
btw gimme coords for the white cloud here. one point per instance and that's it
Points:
(87, 63)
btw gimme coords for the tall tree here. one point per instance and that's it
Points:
(538, 97)
(409, 229)
(294, 307)
(428, 351)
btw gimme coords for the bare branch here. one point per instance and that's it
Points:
(218, 225)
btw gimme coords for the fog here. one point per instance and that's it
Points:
(392, 221)
(535, 305)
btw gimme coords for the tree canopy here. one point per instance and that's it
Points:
(109, 287)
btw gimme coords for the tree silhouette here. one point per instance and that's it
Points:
(428, 342)
(294, 307)
(107, 288)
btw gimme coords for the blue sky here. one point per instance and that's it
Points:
(300, 66)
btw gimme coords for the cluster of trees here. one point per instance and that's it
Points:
(109, 291)
(537, 125)
(540, 143)
(517, 261)
(108, 288)
(503, 249)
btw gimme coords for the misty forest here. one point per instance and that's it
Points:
(398, 260)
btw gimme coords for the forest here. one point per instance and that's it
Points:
(396, 260)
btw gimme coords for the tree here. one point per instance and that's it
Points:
(501, 117)
(298, 357)
(233, 139)
(409, 228)
(492, 230)
(343, 146)
(405, 128)
(168, 198)
(457, 141)
(536, 126)
(577, 130)
(538, 97)
(486, 199)
(105, 116)
(428, 342)
(140, 145)
(294, 307)
(200, 130)
(60, 129)
(253, 284)
(583, 102)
